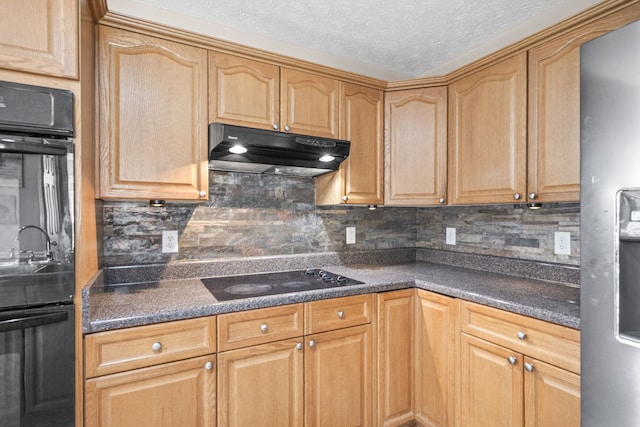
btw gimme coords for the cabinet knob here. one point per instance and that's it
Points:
(312, 343)
(528, 367)
(341, 314)
(345, 198)
(156, 346)
(521, 335)
(287, 128)
(264, 327)
(275, 126)
(512, 360)
(202, 193)
(299, 346)
(516, 196)
(442, 200)
(532, 196)
(208, 366)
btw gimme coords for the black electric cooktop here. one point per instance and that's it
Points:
(253, 285)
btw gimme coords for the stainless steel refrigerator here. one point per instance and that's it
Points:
(610, 229)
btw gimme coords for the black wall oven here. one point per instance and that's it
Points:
(37, 282)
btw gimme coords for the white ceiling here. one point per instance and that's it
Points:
(386, 39)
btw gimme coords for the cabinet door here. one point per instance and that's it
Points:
(309, 103)
(436, 332)
(243, 92)
(359, 179)
(40, 36)
(488, 134)
(173, 394)
(396, 378)
(554, 114)
(491, 389)
(416, 147)
(261, 385)
(552, 395)
(153, 118)
(338, 378)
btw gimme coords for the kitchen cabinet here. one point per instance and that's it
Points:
(416, 147)
(360, 177)
(40, 36)
(396, 357)
(517, 371)
(488, 134)
(162, 374)
(153, 125)
(257, 94)
(435, 356)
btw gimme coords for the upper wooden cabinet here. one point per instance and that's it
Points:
(416, 147)
(251, 93)
(153, 118)
(360, 178)
(488, 134)
(40, 36)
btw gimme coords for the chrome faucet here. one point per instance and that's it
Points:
(48, 242)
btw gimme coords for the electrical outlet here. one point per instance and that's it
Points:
(451, 236)
(351, 235)
(169, 241)
(562, 242)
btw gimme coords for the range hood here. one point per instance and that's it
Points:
(242, 149)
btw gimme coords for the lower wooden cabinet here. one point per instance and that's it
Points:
(172, 394)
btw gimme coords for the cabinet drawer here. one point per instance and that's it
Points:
(246, 328)
(326, 315)
(126, 349)
(551, 343)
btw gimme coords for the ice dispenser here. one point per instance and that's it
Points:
(628, 292)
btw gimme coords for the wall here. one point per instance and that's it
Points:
(254, 215)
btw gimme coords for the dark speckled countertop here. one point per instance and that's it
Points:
(552, 294)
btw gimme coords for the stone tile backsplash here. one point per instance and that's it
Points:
(256, 215)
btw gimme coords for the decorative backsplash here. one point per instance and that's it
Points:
(256, 215)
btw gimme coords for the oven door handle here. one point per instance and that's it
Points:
(32, 145)
(32, 321)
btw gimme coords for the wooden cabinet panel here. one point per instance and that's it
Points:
(310, 104)
(125, 349)
(153, 125)
(552, 396)
(173, 394)
(261, 386)
(360, 177)
(416, 147)
(488, 134)
(40, 36)
(545, 341)
(336, 313)
(491, 388)
(436, 332)
(338, 378)
(396, 359)
(243, 92)
(246, 328)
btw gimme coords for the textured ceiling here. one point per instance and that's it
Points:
(387, 39)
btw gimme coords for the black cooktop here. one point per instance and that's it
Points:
(253, 285)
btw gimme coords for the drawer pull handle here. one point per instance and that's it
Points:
(521, 335)
(156, 346)
(512, 360)
(341, 314)
(299, 346)
(312, 343)
(528, 367)
(208, 366)
(264, 327)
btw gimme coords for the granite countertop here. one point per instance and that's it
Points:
(108, 306)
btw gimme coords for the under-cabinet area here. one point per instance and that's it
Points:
(396, 358)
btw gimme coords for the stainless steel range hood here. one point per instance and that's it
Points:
(242, 149)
